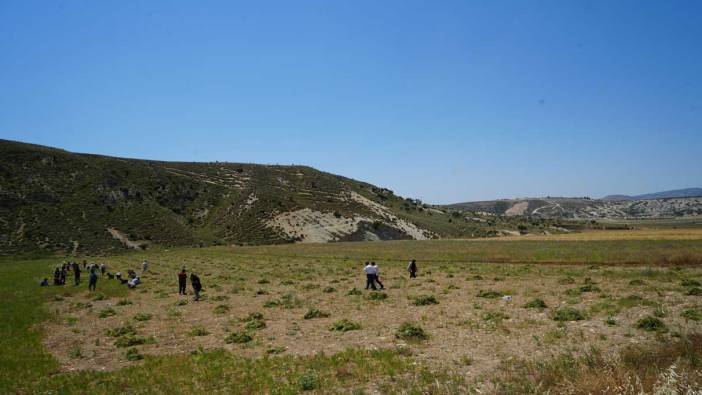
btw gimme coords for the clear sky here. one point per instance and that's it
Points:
(446, 101)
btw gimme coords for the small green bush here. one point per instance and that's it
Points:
(142, 316)
(489, 294)
(694, 291)
(221, 309)
(253, 316)
(354, 292)
(637, 282)
(121, 331)
(237, 337)
(692, 315)
(411, 331)
(568, 314)
(494, 316)
(425, 300)
(129, 341)
(589, 288)
(255, 324)
(198, 330)
(535, 304)
(308, 381)
(377, 296)
(107, 312)
(689, 282)
(328, 290)
(124, 302)
(344, 326)
(133, 355)
(181, 302)
(651, 324)
(315, 313)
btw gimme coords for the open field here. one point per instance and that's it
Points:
(602, 302)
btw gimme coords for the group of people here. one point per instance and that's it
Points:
(61, 273)
(373, 274)
(194, 282)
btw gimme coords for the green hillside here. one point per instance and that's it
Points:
(54, 200)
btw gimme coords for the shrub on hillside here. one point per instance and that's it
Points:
(535, 304)
(344, 326)
(567, 314)
(410, 331)
(425, 300)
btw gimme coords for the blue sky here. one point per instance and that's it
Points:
(445, 101)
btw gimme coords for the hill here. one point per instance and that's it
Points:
(586, 208)
(677, 193)
(56, 200)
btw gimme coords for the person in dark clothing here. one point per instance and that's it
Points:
(44, 282)
(412, 269)
(377, 275)
(92, 280)
(103, 267)
(76, 274)
(62, 275)
(197, 286)
(370, 276)
(57, 277)
(182, 281)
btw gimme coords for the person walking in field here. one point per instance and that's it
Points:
(103, 267)
(412, 269)
(197, 286)
(145, 266)
(76, 274)
(370, 271)
(182, 280)
(377, 275)
(57, 276)
(92, 280)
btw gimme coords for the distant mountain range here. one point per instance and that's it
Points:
(676, 193)
(586, 208)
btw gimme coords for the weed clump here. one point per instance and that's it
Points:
(130, 340)
(651, 324)
(568, 314)
(198, 330)
(315, 313)
(237, 338)
(377, 296)
(425, 300)
(692, 315)
(308, 381)
(328, 290)
(108, 312)
(689, 282)
(694, 291)
(181, 302)
(133, 355)
(637, 282)
(121, 331)
(345, 326)
(489, 294)
(142, 316)
(221, 309)
(124, 302)
(535, 304)
(411, 331)
(354, 292)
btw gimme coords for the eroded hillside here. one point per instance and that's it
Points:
(60, 201)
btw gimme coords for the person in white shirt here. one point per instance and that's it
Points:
(145, 265)
(370, 275)
(377, 275)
